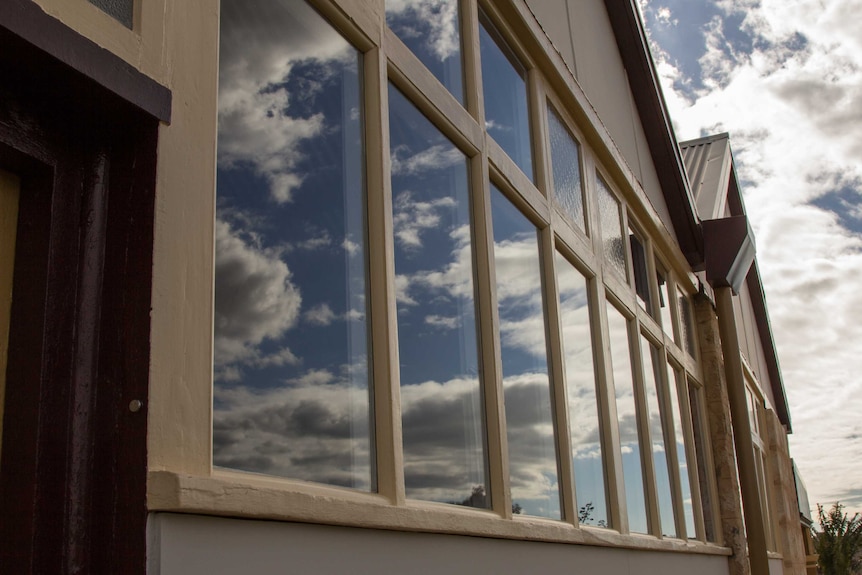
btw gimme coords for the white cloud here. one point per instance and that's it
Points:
(321, 315)
(434, 20)
(793, 106)
(442, 322)
(438, 157)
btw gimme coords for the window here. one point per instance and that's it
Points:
(686, 324)
(664, 301)
(291, 353)
(640, 272)
(566, 169)
(612, 228)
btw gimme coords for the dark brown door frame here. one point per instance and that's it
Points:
(73, 470)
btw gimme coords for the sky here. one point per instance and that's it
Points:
(784, 78)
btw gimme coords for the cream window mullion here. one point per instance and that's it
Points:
(384, 316)
(514, 178)
(538, 132)
(489, 338)
(569, 503)
(614, 475)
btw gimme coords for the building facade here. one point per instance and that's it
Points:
(363, 285)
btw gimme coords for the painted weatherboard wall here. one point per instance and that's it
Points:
(192, 544)
(581, 31)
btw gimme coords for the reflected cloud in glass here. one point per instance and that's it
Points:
(441, 400)
(526, 384)
(587, 452)
(627, 417)
(653, 388)
(431, 29)
(677, 390)
(291, 390)
(507, 116)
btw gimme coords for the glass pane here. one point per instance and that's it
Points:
(441, 399)
(526, 384)
(699, 423)
(677, 390)
(507, 116)
(627, 415)
(639, 269)
(664, 300)
(291, 391)
(121, 10)
(587, 456)
(654, 389)
(432, 30)
(612, 229)
(686, 323)
(566, 164)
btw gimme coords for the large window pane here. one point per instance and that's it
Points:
(587, 454)
(431, 29)
(699, 426)
(507, 116)
(640, 272)
(664, 300)
(291, 391)
(677, 390)
(526, 385)
(627, 417)
(653, 366)
(612, 228)
(441, 400)
(566, 165)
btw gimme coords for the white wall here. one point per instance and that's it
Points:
(192, 544)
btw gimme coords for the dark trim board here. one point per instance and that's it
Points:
(73, 469)
(26, 20)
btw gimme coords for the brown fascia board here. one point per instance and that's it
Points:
(26, 20)
(640, 69)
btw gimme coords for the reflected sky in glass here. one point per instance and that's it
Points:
(441, 401)
(566, 166)
(507, 116)
(587, 455)
(698, 425)
(676, 390)
(627, 417)
(653, 388)
(291, 389)
(612, 229)
(526, 385)
(431, 29)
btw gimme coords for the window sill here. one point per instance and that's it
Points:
(235, 494)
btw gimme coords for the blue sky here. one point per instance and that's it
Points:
(785, 79)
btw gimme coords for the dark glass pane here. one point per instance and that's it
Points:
(566, 165)
(664, 301)
(526, 384)
(639, 269)
(431, 29)
(122, 10)
(627, 417)
(507, 116)
(291, 391)
(677, 390)
(612, 229)
(587, 453)
(441, 399)
(654, 389)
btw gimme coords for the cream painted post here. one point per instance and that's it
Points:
(9, 189)
(752, 508)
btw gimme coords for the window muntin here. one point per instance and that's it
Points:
(526, 383)
(627, 417)
(677, 390)
(432, 31)
(654, 378)
(613, 249)
(566, 169)
(507, 114)
(581, 394)
(291, 389)
(441, 398)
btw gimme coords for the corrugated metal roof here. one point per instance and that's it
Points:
(708, 164)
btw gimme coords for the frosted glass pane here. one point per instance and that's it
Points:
(627, 417)
(566, 164)
(686, 323)
(587, 452)
(122, 10)
(432, 30)
(526, 384)
(441, 399)
(612, 229)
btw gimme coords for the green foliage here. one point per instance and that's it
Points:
(839, 541)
